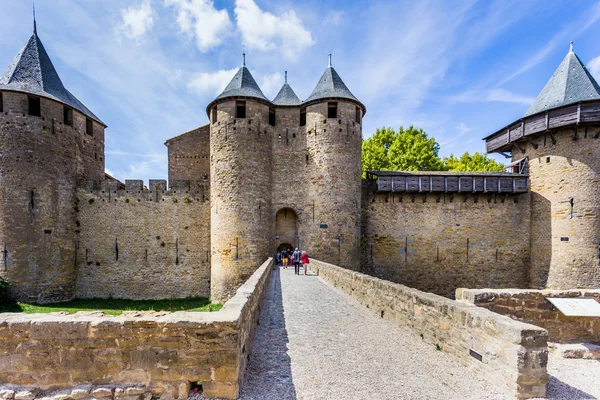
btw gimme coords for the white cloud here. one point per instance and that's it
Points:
(462, 129)
(594, 67)
(201, 19)
(270, 84)
(137, 20)
(211, 83)
(264, 31)
(334, 17)
(492, 95)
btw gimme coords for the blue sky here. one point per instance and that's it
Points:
(148, 68)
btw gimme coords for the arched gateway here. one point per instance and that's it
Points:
(286, 229)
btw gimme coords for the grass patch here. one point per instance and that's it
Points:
(115, 306)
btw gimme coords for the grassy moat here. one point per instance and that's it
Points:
(115, 306)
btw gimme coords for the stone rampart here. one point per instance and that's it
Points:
(533, 307)
(438, 242)
(143, 244)
(508, 353)
(160, 352)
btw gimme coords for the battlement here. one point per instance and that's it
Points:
(113, 190)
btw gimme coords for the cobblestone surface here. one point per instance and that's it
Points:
(314, 342)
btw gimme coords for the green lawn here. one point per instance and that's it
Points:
(116, 306)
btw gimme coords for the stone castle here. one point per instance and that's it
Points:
(267, 174)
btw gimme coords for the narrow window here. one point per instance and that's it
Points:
(214, 114)
(89, 127)
(547, 159)
(332, 109)
(303, 117)
(272, 116)
(357, 115)
(35, 108)
(1, 103)
(68, 116)
(240, 109)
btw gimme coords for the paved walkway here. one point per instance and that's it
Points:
(315, 342)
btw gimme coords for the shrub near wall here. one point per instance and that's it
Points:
(511, 354)
(164, 352)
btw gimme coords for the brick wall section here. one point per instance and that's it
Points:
(189, 155)
(513, 354)
(241, 216)
(439, 242)
(533, 307)
(162, 351)
(144, 244)
(565, 239)
(42, 162)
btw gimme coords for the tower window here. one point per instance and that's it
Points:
(303, 117)
(272, 116)
(35, 108)
(240, 109)
(214, 114)
(68, 116)
(332, 109)
(357, 114)
(89, 127)
(1, 103)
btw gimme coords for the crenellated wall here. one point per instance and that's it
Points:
(440, 242)
(143, 244)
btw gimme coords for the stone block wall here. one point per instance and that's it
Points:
(511, 354)
(158, 352)
(189, 155)
(533, 307)
(143, 244)
(440, 242)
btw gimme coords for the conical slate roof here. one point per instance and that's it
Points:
(32, 72)
(331, 85)
(286, 95)
(242, 84)
(570, 83)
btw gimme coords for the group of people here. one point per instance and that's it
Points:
(288, 257)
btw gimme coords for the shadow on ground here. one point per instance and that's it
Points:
(269, 373)
(558, 389)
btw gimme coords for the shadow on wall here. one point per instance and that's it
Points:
(541, 241)
(269, 372)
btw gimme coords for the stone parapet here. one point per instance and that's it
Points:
(163, 352)
(533, 307)
(109, 190)
(511, 354)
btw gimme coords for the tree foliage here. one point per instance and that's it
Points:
(412, 149)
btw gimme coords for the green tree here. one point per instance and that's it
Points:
(472, 163)
(403, 150)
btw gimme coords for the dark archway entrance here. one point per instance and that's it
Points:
(285, 246)
(286, 229)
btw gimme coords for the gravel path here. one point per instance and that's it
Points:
(314, 342)
(572, 378)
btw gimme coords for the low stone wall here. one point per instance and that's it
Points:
(508, 353)
(532, 306)
(162, 353)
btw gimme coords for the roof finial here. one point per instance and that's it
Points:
(34, 23)
(243, 59)
(571, 47)
(329, 60)
(285, 76)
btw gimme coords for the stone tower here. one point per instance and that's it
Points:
(283, 172)
(558, 139)
(50, 142)
(240, 178)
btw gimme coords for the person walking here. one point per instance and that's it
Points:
(278, 258)
(296, 259)
(284, 257)
(304, 259)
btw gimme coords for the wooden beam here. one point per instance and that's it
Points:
(535, 145)
(552, 138)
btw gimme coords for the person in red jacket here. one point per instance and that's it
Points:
(305, 261)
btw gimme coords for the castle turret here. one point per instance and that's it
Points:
(49, 142)
(334, 138)
(559, 140)
(240, 176)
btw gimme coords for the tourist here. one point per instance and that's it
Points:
(278, 259)
(284, 257)
(296, 260)
(305, 261)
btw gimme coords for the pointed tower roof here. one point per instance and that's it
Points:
(32, 72)
(570, 83)
(286, 95)
(242, 84)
